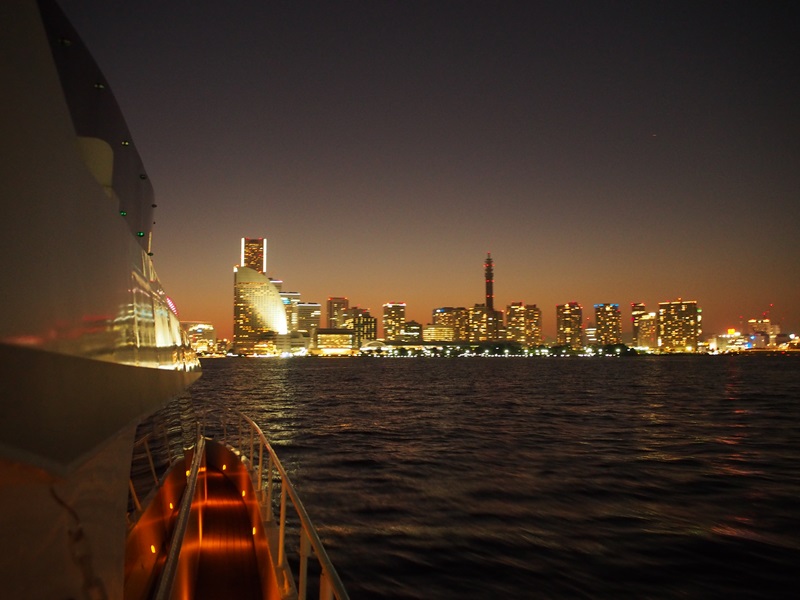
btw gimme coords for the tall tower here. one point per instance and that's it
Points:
(489, 271)
(609, 324)
(394, 321)
(254, 254)
(569, 318)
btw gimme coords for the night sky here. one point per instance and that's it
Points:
(601, 151)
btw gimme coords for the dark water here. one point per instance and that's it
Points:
(649, 477)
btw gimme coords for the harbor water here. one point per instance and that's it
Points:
(642, 477)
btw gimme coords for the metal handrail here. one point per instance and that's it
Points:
(167, 578)
(330, 584)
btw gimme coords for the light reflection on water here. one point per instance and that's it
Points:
(652, 477)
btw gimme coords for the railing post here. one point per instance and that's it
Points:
(305, 551)
(282, 529)
(260, 466)
(325, 587)
(252, 440)
(269, 489)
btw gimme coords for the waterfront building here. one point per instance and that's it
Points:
(608, 320)
(647, 331)
(259, 315)
(202, 336)
(412, 332)
(333, 342)
(363, 325)
(309, 317)
(638, 310)
(524, 324)
(569, 318)
(254, 254)
(290, 302)
(590, 335)
(336, 307)
(679, 326)
(483, 324)
(764, 329)
(394, 320)
(455, 317)
(438, 333)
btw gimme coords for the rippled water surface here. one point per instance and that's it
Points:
(648, 477)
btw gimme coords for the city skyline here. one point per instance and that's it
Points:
(615, 153)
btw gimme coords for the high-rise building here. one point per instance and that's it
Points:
(609, 324)
(455, 317)
(309, 317)
(364, 325)
(290, 302)
(484, 323)
(437, 333)
(254, 254)
(569, 318)
(202, 336)
(679, 326)
(259, 315)
(647, 331)
(336, 307)
(394, 320)
(524, 323)
(638, 310)
(412, 332)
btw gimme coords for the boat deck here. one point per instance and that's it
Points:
(228, 567)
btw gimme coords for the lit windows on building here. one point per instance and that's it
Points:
(336, 307)
(333, 342)
(608, 321)
(647, 331)
(484, 323)
(309, 316)
(259, 314)
(412, 332)
(438, 333)
(524, 323)
(569, 318)
(202, 336)
(679, 326)
(638, 310)
(363, 325)
(394, 320)
(455, 317)
(254, 254)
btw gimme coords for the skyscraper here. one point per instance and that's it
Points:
(455, 317)
(609, 324)
(254, 254)
(524, 323)
(394, 321)
(336, 307)
(679, 326)
(569, 318)
(638, 311)
(259, 315)
(309, 316)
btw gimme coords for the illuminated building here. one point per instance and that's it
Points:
(679, 326)
(764, 328)
(336, 307)
(309, 316)
(412, 332)
(202, 336)
(484, 324)
(569, 318)
(646, 337)
(394, 320)
(259, 315)
(457, 318)
(638, 310)
(254, 254)
(437, 333)
(333, 342)
(363, 325)
(609, 324)
(524, 323)
(290, 302)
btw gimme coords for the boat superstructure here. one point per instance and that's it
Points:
(90, 345)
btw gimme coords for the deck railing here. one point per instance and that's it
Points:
(273, 487)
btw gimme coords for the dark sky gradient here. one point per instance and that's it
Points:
(602, 151)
